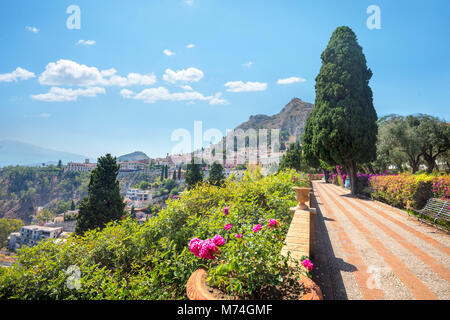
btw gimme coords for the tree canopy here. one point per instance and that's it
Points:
(342, 128)
(104, 202)
(216, 176)
(194, 174)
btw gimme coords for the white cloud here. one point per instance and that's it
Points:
(169, 53)
(218, 100)
(239, 86)
(67, 72)
(290, 80)
(186, 87)
(61, 94)
(86, 42)
(190, 46)
(18, 74)
(189, 2)
(153, 95)
(126, 93)
(248, 64)
(32, 29)
(187, 75)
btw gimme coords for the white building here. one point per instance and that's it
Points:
(31, 235)
(81, 167)
(138, 198)
(131, 166)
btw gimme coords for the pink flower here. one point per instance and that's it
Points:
(239, 235)
(219, 240)
(208, 249)
(226, 211)
(195, 245)
(228, 227)
(272, 223)
(257, 228)
(307, 264)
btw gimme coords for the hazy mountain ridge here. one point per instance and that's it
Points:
(19, 153)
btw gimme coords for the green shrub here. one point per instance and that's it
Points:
(126, 260)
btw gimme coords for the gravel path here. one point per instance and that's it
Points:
(368, 250)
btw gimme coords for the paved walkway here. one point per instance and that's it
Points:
(368, 250)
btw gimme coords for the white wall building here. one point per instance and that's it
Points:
(138, 198)
(80, 167)
(31, 235)
(131, 166)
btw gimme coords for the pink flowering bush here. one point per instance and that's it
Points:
(256, 228)
(415, 190)
(307, 264)
(272, 223)
(206, 249)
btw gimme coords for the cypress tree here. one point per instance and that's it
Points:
(72, 205)
(103, 202)
(216, 176)
(166, 172)
(293, 158)
(342, 129)
(194, 174)
(179, 173)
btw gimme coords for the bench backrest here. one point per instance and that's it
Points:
(437, 207)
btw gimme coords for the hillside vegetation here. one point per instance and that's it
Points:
(23, 189)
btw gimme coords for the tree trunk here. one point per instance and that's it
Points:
(326, 174)
(431, 163)
(351, 169)
(414, 166)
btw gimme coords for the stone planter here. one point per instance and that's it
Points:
(302, 196)
(197, 289)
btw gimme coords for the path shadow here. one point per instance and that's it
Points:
(327, 267)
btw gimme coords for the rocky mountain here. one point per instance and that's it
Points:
(134, 156)
(291, 119)
(20, 153)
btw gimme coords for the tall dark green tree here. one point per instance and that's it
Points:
(342, 127)
(194, 174)
(166, 172)
(174, 176)
(293, 158)
(162, 172)
(103, 202)
(216, 176)
(72, 205)
(179, 173)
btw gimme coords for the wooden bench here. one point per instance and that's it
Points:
(437, 209)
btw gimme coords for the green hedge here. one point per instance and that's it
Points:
(126, 260)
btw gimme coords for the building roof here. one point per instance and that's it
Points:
(41, 228)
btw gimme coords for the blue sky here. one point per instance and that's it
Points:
(109, 86)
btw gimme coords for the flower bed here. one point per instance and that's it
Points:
(403, 189)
